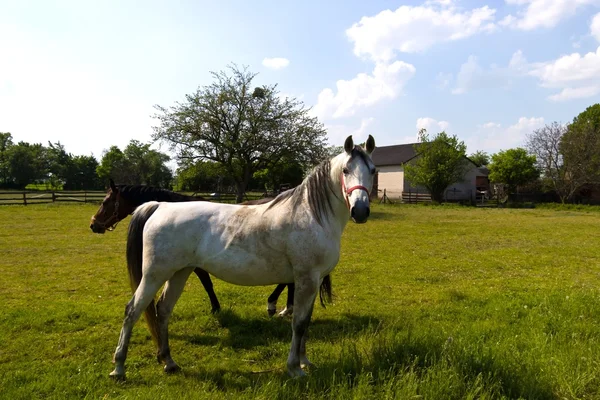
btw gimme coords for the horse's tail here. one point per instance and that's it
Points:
(325, 291)
(134, 259)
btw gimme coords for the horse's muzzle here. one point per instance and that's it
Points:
(360, 212)
(96, 228)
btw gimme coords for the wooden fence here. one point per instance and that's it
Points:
(60, 196)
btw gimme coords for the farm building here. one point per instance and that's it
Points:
(390, 161)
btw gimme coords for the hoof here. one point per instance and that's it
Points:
(117, 376)
(286, 311)
(306, 364)
(271, 312)
(172, 368)
(215, 310)
(296, 373)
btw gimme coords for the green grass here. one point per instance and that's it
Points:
(430, 302)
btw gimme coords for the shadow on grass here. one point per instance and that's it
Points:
(246, 333)
(442, 367)
(431, 357)
(440, 370)
(381, 214)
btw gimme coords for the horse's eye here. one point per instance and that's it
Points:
(345, 171)
(373, 170)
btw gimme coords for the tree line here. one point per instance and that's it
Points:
(560, 159)
(52, 167)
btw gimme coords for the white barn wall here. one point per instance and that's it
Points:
(391, 178)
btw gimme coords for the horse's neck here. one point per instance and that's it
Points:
(341, 214)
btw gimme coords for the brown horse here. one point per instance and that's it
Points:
(122, 200)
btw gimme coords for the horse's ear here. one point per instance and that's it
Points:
(370, 145)
(349, 144)
(113, 187)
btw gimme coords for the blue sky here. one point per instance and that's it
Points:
(88, 74)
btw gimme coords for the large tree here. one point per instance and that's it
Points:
(137, 164)
(27, 164)
(545, 144)
(580, 148)
(200, 175)
(441, 162)
(113, 165)
(513, 167)
(480, 158)
(81, 174)
(242, 127)
(58, 162)
(5, 144)
(288, 171)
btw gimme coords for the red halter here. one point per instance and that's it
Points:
(348, 192)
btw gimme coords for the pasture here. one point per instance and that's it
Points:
(429, 302)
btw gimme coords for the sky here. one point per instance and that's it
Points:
(88, 74)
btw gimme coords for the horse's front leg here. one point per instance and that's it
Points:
(142, 298)
(208, 286)
(307, 285)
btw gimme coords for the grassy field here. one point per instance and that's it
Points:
(430, 302)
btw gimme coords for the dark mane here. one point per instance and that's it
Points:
(139, 194)
(317, 185)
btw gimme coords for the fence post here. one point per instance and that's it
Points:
(24, 198)
(53, 197)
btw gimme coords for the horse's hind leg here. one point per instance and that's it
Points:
(208, 286)
(141, 299)
(289, 307)
(272, 300)
(164, 308)
(304, 301)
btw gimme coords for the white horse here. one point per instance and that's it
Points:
(295, 238)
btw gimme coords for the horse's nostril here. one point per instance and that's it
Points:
(368, 211)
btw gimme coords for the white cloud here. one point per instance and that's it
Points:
(575, 93)
(433, 126)
(577, 76)
(469, 72)
(543, 13)
(492, 137)
(445, 3)
(443, 80)
(386, 83)
(414, 29)
(337, 133)
(574, 75)
(472, 76)
(275, 63)
(595, 27)
(490, 125)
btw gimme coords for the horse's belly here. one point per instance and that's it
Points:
(241, 268)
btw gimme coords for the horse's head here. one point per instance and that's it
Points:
(112, 210)
(357, 176)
